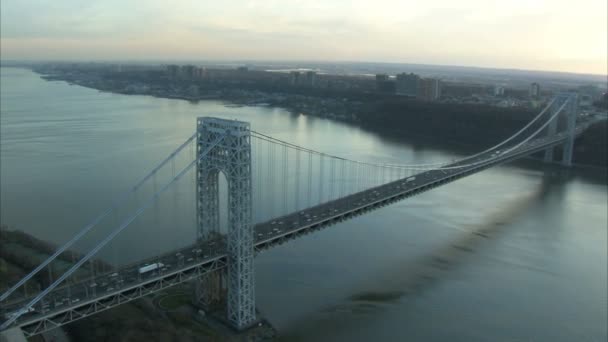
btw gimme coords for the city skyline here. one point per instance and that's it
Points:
(540, 35)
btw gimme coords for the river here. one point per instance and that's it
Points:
(515, 253)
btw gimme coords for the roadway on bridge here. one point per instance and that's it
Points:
(268, 233)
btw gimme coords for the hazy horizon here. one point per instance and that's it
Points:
(253, 62)
(542, 35)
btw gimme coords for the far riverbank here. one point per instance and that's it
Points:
(460, 128)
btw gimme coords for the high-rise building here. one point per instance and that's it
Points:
(188, 72)
(294, 77)
(499, 90)
(172, 71)
(429, 89)
(310, 78)
(200, 73)
(407, 84)
(534, 90)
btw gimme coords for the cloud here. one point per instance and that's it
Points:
(547, 34)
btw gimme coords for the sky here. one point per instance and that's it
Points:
(553, 35)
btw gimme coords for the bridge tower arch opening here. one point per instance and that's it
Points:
(569, 111)
(210, 290)
(232, 157)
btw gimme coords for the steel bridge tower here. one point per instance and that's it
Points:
(570, 111)
(232, 156)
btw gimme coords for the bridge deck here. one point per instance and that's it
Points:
(66, 304)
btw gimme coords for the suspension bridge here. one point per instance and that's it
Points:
(276, 192)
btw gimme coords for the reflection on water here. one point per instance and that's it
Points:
(421, 274)
(511, 254)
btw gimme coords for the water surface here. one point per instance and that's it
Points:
(509, 254)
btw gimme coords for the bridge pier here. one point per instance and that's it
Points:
(570, 110)
(210, 290)
(232, 156)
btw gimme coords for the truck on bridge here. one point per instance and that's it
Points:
(151, 267)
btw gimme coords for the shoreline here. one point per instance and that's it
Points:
(450, 144)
